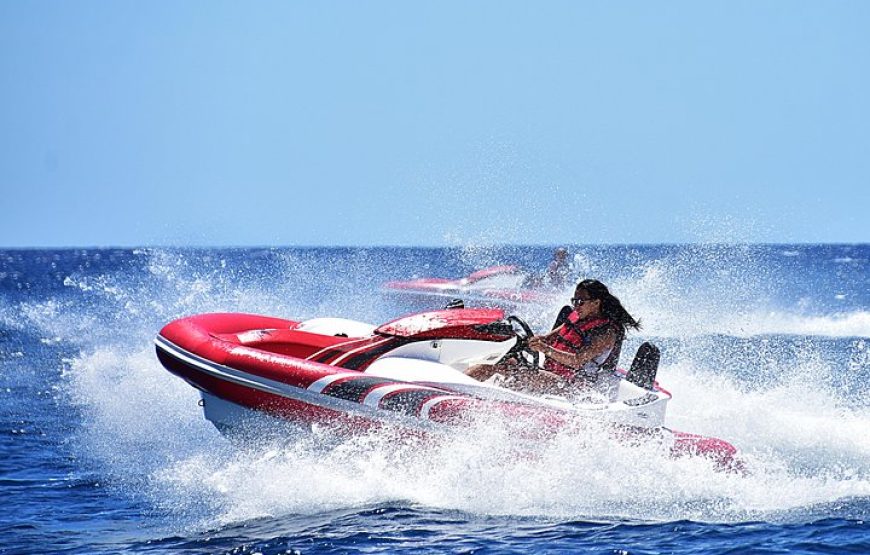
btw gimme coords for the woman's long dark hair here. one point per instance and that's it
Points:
(611, 307)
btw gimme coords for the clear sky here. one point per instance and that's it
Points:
(161, 122)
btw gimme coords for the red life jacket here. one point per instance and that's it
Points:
(574, 336)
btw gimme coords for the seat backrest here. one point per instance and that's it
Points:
(644, 366)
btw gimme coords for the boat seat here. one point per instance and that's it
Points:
(295, 343)
(341, 327)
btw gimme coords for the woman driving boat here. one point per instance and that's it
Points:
(580, 351)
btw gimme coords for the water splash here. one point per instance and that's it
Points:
(148, 432)
(800, 426)
(478, 472)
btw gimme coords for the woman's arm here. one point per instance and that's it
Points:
(597, 346)
(552, 332)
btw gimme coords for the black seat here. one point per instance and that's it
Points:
(644, 366)
(562, 317)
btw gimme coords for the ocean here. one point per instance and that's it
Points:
(103, 451)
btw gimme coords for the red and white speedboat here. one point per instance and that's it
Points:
(496, 285)
(406, 374)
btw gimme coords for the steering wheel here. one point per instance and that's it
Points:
(521, 348)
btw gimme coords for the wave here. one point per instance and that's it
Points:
(848, 325)
(801, 430)
(854, 324)
(801, 440)
(679, 298)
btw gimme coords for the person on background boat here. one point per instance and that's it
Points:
(559, 269)
(579, 351)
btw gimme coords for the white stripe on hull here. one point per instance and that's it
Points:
(364, 348)
(374, 397)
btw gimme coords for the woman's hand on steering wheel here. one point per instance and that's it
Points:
(524, 336)
(536, 343)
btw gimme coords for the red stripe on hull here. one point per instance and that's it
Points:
(719, 451)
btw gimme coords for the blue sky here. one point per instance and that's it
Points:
(433, 123)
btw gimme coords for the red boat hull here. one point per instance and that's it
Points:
(268, 365)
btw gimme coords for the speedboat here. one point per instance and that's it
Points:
(497, 285)
(407, 374)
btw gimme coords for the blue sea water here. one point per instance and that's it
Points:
(102, 451)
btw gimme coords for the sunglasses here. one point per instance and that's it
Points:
(578, 301)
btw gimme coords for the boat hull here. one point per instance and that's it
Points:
(222, 355)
